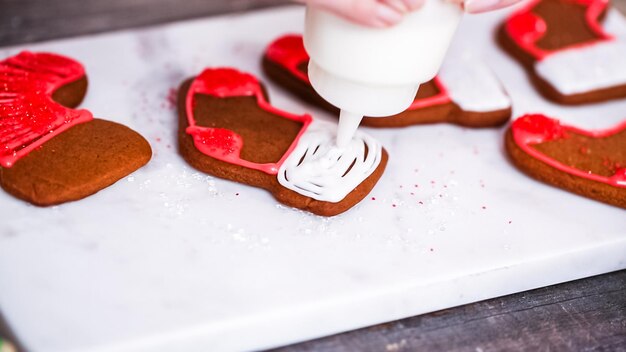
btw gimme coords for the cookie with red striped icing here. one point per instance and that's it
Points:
(227, 128)
(465, 93)
(570, 57)
(51, 153)
(589, 163)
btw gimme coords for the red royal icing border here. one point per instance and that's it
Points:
(224, 144)
(289, 52)
(525, 28)
(537, 128)
(443, 97)
(29, 116)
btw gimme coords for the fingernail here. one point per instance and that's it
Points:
(377, 23)
(478, 6)
(398, 5)
(388, 15)
(414, 4)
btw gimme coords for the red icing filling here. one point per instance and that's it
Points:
(224, 144)
(28, 115)
(525, 27)
(289, 52)
(534, 129)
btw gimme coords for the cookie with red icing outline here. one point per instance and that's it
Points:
(228, 129)
(569, 56)
(51, 153)
(465, 92)
(589, 163)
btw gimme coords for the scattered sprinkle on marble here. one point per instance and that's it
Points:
(396, 346)
(171, 98)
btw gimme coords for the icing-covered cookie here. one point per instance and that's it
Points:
(589, 163)
(228, 128)
(466, 92)
(568, 54)
(51, 153)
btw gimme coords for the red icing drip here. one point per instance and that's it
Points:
(224, 144)
(537, 128)
(525, 27)
(289, 52)
(619, 178)
(28, 115)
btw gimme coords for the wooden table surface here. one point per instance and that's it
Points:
(583, 315)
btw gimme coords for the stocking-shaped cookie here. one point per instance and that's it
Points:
(465, 92)
(589, 163)
(49, 152)
(227, 128)
(570, 58)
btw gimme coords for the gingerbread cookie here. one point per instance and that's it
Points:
(569, 57)
(228, 129)
(51, 153)
(465, 92)
(589, 163)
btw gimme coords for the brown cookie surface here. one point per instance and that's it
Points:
(589, 164)
(69, 159)
(77, 163)
(266, 137)
(571, 28)
(286, 62)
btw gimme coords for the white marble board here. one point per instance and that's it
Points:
(171, 259)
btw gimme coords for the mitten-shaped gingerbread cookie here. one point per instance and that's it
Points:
(51, 153)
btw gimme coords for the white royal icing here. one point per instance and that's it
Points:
(318, 169)
(585, 69)
(472, 85)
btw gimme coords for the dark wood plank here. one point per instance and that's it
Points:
(583, 315)
(586, 315)
(24, 21)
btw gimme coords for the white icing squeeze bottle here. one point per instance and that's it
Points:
(372, 71)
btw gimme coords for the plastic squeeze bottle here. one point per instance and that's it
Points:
(376, 72)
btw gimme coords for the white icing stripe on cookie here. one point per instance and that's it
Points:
(472, 85)
(319, 170)
(585, 69)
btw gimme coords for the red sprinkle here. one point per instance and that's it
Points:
(171, 98)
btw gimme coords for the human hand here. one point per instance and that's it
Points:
(372, 13)
(386, 13)
(479, 6)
